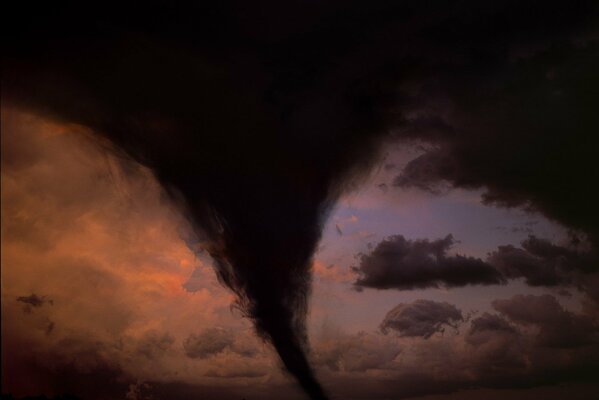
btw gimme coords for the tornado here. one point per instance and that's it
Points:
(249, 132)
(256, 116)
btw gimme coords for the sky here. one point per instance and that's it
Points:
(102, 288)
(353, 201)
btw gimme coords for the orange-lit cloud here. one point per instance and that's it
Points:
(332, 272)
(95, 234)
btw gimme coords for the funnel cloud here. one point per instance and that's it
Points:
(257, 117)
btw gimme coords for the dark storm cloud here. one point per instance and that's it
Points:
(492, 351)
(558, 327)
(533, 342)
(490, 323)
(421, 318)
(399, 263)
(515, 262)
(522, 130)
(35, 301)
(542, 263)
(257, 116)
(498, 347)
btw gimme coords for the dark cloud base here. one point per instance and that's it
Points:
(421, 318)
(523, 131)
(399, 263)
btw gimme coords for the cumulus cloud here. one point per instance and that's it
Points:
(93, 247)
(399, 263)
(516, 262)
(556, 326)
(356, 353)
(505, 349)
(421, 318)
(508, 347)
(498, 347)
(543, 263)
(154, 345)
(490, 323)
(209, 342)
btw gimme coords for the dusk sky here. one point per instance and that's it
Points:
(352, 200)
